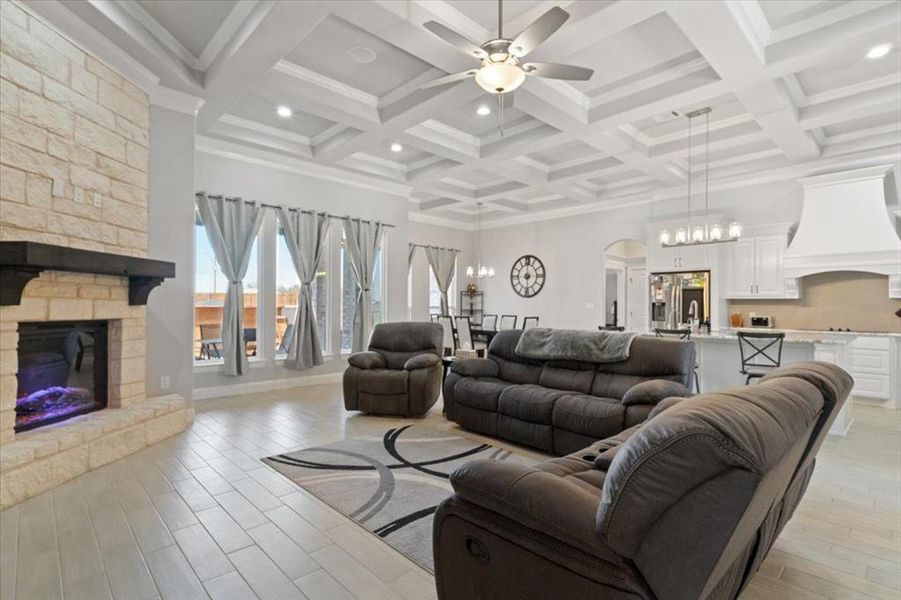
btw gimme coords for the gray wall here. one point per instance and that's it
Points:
(170, 236)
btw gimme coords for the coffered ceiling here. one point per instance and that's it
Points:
(791, 89)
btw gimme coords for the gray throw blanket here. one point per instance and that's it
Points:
(543, 343)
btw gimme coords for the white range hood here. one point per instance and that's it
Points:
(847, 225)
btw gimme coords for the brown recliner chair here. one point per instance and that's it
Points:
(684, 506)
(401, 372)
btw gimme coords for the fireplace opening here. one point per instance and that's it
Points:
(62, 371)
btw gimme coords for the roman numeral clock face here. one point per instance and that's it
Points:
(527, 276)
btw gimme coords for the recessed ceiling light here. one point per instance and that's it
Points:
(879, 51)
(362, 54)
(284, 111)
(396, 147)
(483, 111)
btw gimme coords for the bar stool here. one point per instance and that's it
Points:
(760, 349)
(682, 334)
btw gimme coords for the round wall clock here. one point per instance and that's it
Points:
(527, 276)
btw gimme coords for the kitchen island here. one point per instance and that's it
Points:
(719, 361)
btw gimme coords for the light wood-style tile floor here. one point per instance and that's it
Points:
(200, 516)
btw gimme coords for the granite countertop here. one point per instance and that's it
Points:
(821, 332)
(791, 337)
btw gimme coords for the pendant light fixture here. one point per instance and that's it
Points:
(696, 234)
(480, 271)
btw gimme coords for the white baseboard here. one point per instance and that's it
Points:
(269, 385)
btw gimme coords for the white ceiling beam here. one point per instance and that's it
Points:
(270, 32)
(140, 37)
(723, 34)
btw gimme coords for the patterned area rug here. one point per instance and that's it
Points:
(390, 484)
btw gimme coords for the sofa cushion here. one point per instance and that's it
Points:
(652, 392)
(382, 382)
(531, 403)
(481, 393)
(649, 358)
(512, 367)
(574, 377)
(589, 415)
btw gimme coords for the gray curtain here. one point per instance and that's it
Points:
(305, 237)
(231, 225)
(363, 241)
(442, 261)
(412, 250)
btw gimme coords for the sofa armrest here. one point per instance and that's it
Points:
(367, 360)
(422, 361)
(652, 392)
(536, 499)
(475, 367)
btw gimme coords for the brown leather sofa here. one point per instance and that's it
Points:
(401, 372)
(560, 406)
(684, 506)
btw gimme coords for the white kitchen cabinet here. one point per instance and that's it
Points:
(875, 367)
(754, 268)
(676, 258)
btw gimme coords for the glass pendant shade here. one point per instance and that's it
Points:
(697, 233)
(665, 237)
(716, 232)
(500, 77)
(734, 230)
(681, 235)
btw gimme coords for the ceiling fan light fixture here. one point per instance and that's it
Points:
(500, 77)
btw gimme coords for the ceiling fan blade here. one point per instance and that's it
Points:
(557, 71)
(455, 39)
(541, 29)
(448, 79)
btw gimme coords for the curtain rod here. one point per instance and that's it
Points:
(291, 208)
(435, 247)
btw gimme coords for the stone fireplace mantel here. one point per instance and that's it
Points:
(22, 261)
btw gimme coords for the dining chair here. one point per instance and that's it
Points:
(529, 322)
(508, 322)
(682, 334)
(759, 350)
(286, 340)
(433, 317)
(449, 340)
(465, 340)
(489, 323)
(210, 340)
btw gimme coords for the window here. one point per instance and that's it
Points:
(435, 294)
(349, 292)
(288, 294)
(272, 291)
(209, 298)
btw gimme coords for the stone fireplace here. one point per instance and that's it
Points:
(63, 317)
(74, 161)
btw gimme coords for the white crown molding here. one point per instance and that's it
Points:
(312, 77)
(419, 217)
(451, 132)
(139, 14)
(230, 25)
(175, 100)
(237, 151)
(267, 129)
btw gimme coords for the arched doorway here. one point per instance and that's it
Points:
(626, 285)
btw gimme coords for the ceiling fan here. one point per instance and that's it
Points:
(502, 69)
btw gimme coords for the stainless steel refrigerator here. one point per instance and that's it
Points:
(680, 300)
